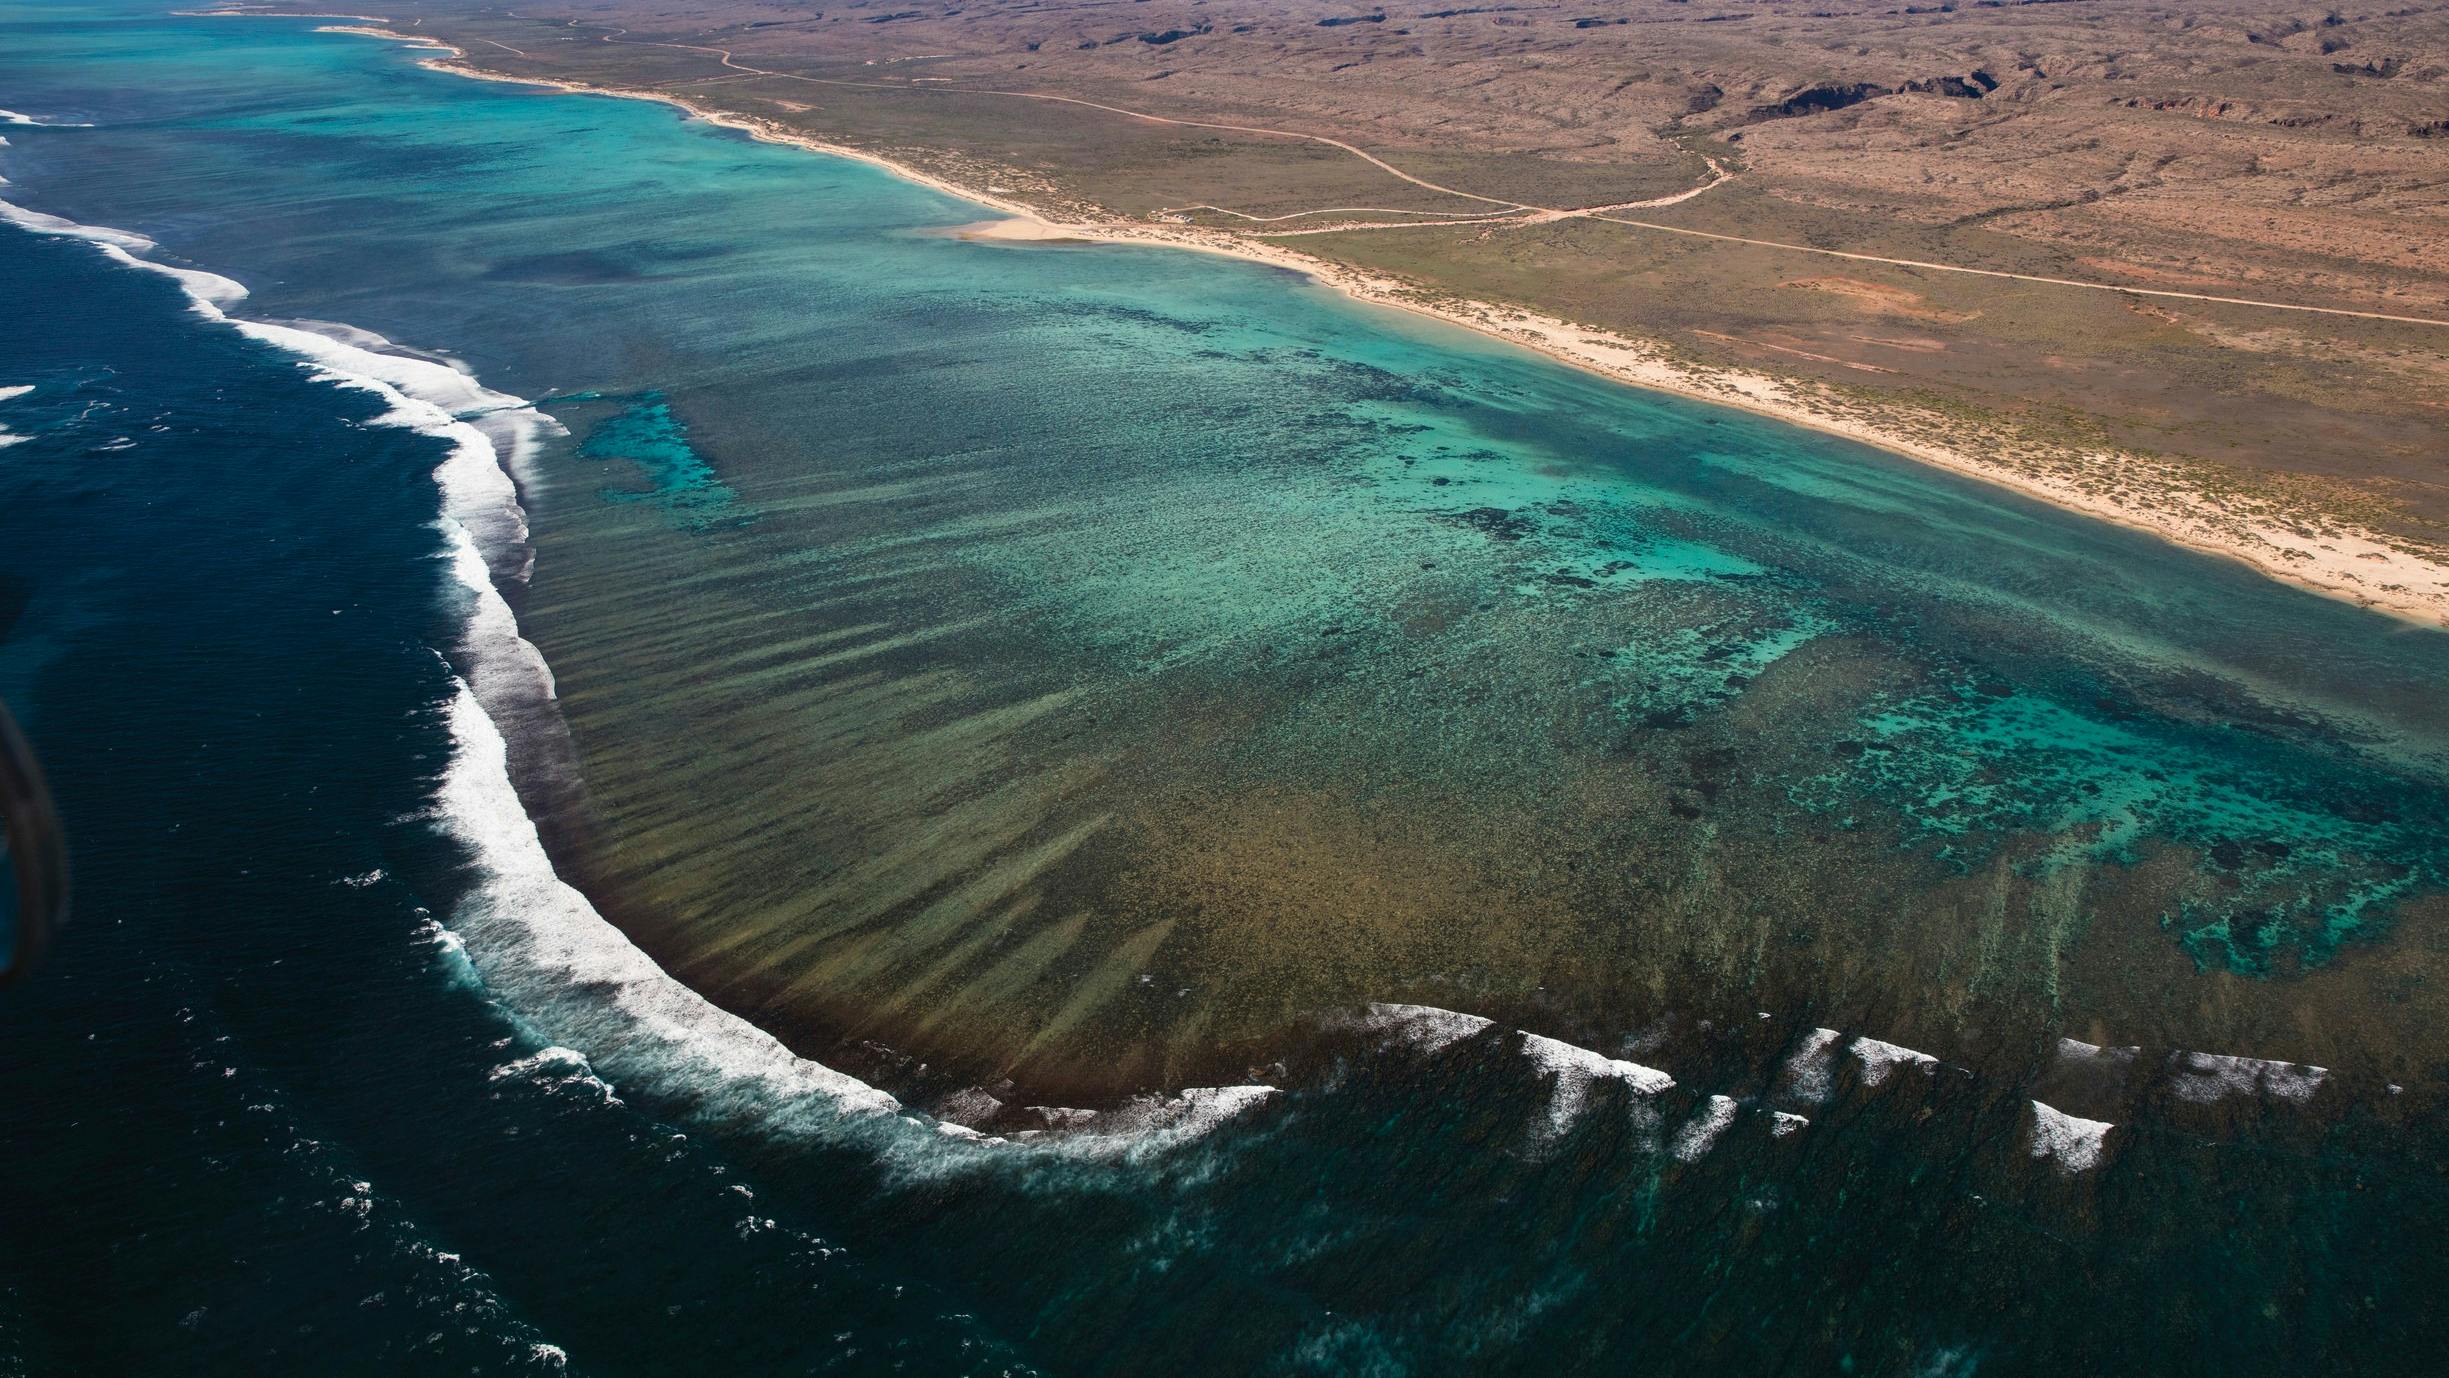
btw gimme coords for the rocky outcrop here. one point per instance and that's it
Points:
(2292, 116)
(1972, 87)
(1813, 100)
(2385, 68)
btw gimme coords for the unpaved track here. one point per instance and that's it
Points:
(724, 54)
(1534, 214)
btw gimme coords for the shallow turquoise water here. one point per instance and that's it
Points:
(982, 646)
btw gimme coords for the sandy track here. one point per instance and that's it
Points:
(1541, 214)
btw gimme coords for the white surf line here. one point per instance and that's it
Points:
(2206, 1077)
(541, 940)
(1698, 1135)
(2075, 1144)
(1572, 1072)
(1811, 1062)
(1806, 1078)
(10, 394)
(28, 121)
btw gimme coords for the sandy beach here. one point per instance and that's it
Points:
(2338, 561)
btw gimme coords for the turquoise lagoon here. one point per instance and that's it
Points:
(1143, 710)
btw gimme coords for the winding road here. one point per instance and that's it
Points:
(1513, 212)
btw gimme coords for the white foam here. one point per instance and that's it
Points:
(349, 334)
(2076, 1052)
(1879, 1059)
(12, 117)
(40, 223)
(1129, 1132)
(1187, 1115)
(1577, 1069)
(556, 1068)
(1423, 1027)
(1060, 1117)
(1783, 1125)
(535, 939)
(1574, 1070)
(2207, 1077)
(968, 1106)
(539, 941)
(10, 394)
(1568, 1060)
(211, 291)
(1809, 1074)
(208, 292)
(1700, 1133)
(2075, 1144)
(453, 951)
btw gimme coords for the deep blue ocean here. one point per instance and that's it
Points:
(531, 604)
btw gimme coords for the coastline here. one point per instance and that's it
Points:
(914, 900)
(2345, 563)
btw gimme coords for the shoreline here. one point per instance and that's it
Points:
(1021, 226)
(2351, 565)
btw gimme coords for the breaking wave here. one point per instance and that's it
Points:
(566, 972)
(577, 982)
